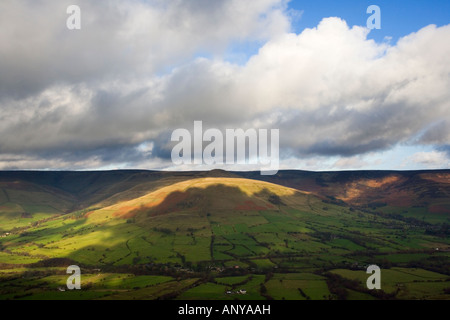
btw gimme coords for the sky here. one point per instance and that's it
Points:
(108, 96)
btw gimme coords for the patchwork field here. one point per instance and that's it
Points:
(218, 235)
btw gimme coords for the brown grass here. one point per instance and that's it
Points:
(249, 206)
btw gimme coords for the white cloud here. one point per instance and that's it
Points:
(121, 38)
(129, 77)
(431, 160)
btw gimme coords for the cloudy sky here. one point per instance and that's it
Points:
(108, 96)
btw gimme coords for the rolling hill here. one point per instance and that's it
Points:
(208, 225)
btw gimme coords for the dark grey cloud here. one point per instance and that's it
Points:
(437, 133)
(118, 38)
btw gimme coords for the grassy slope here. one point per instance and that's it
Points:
(423, 195)
(159, 218)
(178, 223)
(22, 203)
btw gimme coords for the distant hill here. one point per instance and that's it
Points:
(425, 193)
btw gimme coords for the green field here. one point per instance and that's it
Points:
(406, 283)
(210, 238)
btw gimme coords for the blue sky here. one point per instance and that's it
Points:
(399, 17)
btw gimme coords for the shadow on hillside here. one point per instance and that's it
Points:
(217, 197)
(205, 202)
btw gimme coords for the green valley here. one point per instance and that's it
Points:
(224, 235)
